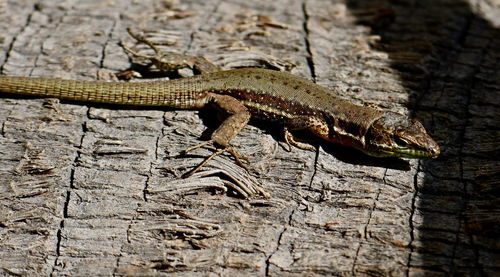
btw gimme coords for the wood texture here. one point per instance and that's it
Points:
(96, 190)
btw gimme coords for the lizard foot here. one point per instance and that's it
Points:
(237, 157)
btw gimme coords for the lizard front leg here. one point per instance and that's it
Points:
(312, 124)
(229, 128)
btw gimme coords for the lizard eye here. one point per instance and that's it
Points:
(400, 142)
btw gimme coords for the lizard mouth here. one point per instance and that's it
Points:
(430, 153)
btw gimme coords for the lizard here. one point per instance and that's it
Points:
(280, 97)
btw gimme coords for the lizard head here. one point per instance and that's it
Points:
(396, 135)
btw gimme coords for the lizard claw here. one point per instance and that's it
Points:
(189, 149)
(236, 155)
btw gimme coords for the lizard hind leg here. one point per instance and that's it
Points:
(142, 39)
(164, 61)
(170, 61)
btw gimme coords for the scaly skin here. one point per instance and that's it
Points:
(264, 94)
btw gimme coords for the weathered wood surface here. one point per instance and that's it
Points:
(93, 190)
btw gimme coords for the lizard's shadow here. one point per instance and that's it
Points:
(445, 54)
(353, 156)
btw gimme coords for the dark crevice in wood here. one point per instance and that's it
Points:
(2, 131)
(309, 58)
(45, 39)
(310, 64)
(14, 39)
(315, 168)
(106, 43)
(355, 259)
(151, 168)
(410, 219)
(59, 232)
(365, 227)
(278, 243)
(128, 240)
(58, 248)
(68, 197)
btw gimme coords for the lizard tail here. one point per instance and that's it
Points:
(156, 93)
